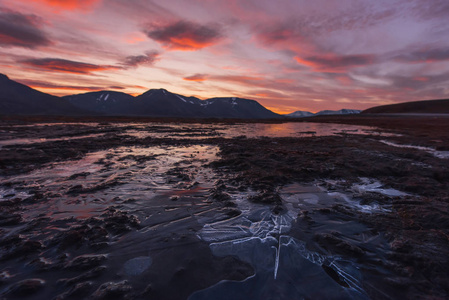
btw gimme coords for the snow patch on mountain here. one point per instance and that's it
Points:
(184, 100)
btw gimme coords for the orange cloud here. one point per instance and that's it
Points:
(66, 66)
(70, 4)
(335, 63)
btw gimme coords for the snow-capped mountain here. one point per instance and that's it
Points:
(233, 107)
(162, 103)
(104, 102)
(302, 114)
(338, 112)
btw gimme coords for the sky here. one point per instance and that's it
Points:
(289, 54)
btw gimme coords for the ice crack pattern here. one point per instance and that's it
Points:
(283, 264)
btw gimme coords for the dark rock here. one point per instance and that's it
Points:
(22, 249)
(79, 291)
(76, 189)
(77, 175)
(330, 241)
(335, 276)
(232, 212)
(41, 264)
(277, 209)
(112, 290)
(85, 262)
(118, 222)
(4, 277)
(94, 273)
(266, 197)
(26, 287)
(7, 219)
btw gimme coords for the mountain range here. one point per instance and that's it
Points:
(19, 99)
(162, 103)
(303, 114)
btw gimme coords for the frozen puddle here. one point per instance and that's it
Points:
(280, 250)
(284, 267)
(297, 196)
(439, 154)
(370, 185)
(112, 176)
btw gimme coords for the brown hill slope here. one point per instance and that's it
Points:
(416, 107)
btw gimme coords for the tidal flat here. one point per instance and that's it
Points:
(113, 208)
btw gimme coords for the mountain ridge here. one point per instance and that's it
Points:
(19, 99)
(437, 106)
(304, 114)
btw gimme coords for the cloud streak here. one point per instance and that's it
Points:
(184, 35)
(196, 77)
(424, 56)
(46, 85)
(66, 66)
(335, 63)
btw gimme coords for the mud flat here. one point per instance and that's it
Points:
(162, 209)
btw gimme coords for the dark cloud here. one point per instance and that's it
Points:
(196, 77)
(66, 66)
(21, 30)
(335, 63)
(148, 59)
(430, 10)
(185, 36)
(420, 82)
(424, 56)
(116, 87)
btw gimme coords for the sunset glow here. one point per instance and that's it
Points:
(288, 55)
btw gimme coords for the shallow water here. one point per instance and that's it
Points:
(251, 130)
(26, 141)
(185, 131)
(142, 207)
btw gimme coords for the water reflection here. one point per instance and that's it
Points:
(251, 130)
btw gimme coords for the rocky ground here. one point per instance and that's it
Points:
(415, 226)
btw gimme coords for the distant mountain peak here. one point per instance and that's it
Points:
(302, 114)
